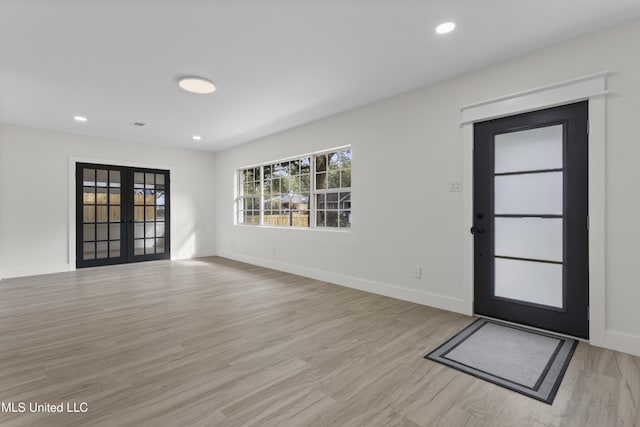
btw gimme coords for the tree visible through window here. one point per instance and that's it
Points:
(309, 191)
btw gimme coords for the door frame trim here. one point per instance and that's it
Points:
(592, 87)
(72, 195)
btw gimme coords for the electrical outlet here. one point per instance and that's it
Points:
(417, 273)
(455, 186)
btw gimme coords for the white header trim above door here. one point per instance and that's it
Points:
(574, 90)
(592, 87)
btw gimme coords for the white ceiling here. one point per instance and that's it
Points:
(276, 63)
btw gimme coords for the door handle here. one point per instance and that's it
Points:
(477, 230)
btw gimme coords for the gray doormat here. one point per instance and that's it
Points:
(529, 362)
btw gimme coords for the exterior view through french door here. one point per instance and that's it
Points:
(530, 225)
(122, 215)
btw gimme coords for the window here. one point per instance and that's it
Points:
(308, 191)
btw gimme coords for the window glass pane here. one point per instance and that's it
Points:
(334, 161)
(138, 180)
(248, 189)
(149, 229)
(114, 196)
(321, 181)
(320, 219)
(138, 231)
(160, 197)
(305, 165)
(88, 232)
(138, 213)
(138, 247)
(114, 178)
(102, 178)
(344, 201)
(535, 238)
(252, 217)
(160, 246)
(149, 180)
(149, 197)
(159, 229)
(305, 185)
(89, 177)
(114, 249)
(267, 171)
(88, 195)
(101, 232)
(300, 218)
(345, 178)
(279, 169)
(149, 246)
(294, 167)
(531, 149)
(101, 214)
(159, 181)
(114, 232)
(89, 213)
(321, 163)
(114, 213)
(101, 196)
(89, 251)
(150, 213)
(138, 197)
(345, 219)
(102, 250)
(535, 193)
(332, 218)
(536, 282)
(334, 179)
(332, 200)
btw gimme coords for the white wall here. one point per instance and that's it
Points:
(34, 195)
(407, 150)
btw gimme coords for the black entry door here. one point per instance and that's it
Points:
(530, 219)
(123, 215)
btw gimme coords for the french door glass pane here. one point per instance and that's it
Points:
(532, 149)
(536, 282)
(536, 238)
(534, 193)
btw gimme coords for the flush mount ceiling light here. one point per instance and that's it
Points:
(196, 85)
(196, 138)
(79, 119)
(445, 27)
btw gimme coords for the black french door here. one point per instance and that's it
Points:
(530, 219)
(122, 215)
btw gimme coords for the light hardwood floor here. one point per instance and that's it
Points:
(213, 342)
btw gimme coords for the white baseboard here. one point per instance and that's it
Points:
(34, 270)
(623, 342)
(419, 297)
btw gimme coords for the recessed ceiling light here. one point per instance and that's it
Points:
(445, 28)
(79, 119)
(197, 138)
(197, 85)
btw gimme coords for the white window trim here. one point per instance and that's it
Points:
(592, 87)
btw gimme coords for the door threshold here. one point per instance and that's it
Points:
(533, 328)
